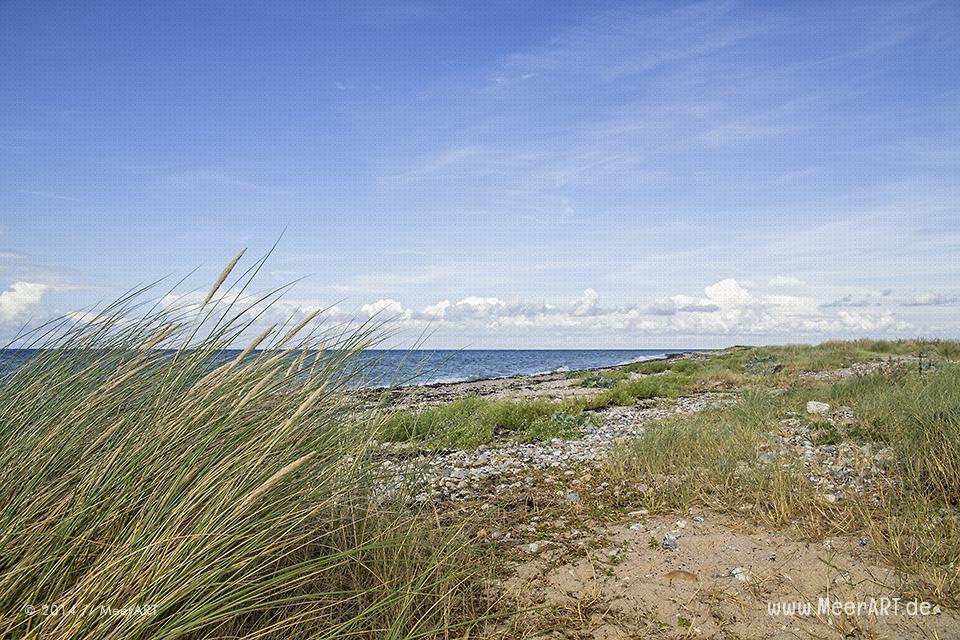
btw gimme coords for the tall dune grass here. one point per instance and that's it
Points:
(147, 494)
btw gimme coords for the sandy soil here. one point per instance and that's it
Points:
(720, 581)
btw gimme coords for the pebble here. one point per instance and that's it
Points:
(835, 471)
(670, 542)
(505, 465)
(817, 408)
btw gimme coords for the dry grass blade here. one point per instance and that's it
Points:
(223, 276)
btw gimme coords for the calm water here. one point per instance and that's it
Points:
(425, 366)
(384, 367)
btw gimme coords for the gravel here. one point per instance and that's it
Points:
(503, 466)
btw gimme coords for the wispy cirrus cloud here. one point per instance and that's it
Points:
(628, 42)
(50, 195)
(217, 179)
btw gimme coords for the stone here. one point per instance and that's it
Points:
(670, 542)
(572, 497)
(533, 547)
(815, 408)
(740, 574)
(680, 574)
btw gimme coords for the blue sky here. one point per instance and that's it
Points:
(500, 174)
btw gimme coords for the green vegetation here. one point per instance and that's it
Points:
(468, 422)
(776, 366)
(472, 421)
(230, 502)
(710, 459)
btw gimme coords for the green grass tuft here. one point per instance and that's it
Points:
(235, 501)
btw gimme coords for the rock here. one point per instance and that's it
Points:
(670, 542)
(864, 541)
(815, 408)
(682, 575)
(829, 498)
(740, 574)
(533, 547)
(572, 496)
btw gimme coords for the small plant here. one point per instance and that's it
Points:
(763, 365)
(598, 381)
(558, 425)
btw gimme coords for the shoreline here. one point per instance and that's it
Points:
(521, 385)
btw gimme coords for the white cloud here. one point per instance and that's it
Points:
(15, 302)
(930, 300)
(386, 307)
(728, 294)
(785, 281)
(729, 307)
(437, 310)
(587, 305)
(854, 300)
(728, 310)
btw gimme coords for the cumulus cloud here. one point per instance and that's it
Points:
(18, 299)
(387, 307)
(437, 310)
(930, 300)
(681, 304)
(726, 307)
(587, 305)
(728, 294)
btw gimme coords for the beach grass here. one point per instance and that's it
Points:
(145, 493)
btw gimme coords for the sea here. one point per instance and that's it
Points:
(389, 367)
